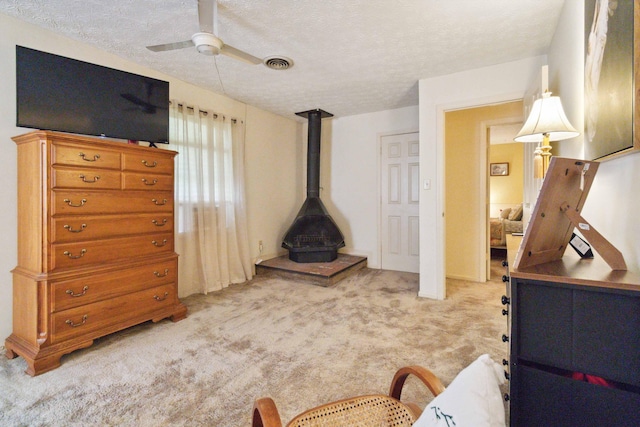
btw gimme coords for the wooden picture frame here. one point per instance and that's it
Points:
(612, 70)
(499, 169)
(557, 214)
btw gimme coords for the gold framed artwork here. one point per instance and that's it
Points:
(612, 70)
(499, 169)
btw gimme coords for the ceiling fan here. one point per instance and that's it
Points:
(206, 41)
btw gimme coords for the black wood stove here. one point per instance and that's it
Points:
(313, 236)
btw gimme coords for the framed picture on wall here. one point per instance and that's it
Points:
(609, 78)
(499, 169)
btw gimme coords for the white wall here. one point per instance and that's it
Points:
(350, 170)
(482, 86)
(566, 73)
(612, 205)
(263, 129)
(273, 179)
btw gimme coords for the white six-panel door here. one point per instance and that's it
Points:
(400, 176)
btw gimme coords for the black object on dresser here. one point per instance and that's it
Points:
(574, 344)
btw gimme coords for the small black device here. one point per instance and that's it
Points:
(581, 246)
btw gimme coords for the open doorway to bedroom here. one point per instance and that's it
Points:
(505, 189)
(467, 181)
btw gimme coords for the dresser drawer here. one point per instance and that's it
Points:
(542, 308)
(150, 162)
(593, 331)
(69, 202)
(81, 228)
(93, 179)
(79, 254)
(540, 398)
(88, 320)
(96, 287)
(147, 181)
(84, 155)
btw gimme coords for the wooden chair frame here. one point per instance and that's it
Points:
(265, 412)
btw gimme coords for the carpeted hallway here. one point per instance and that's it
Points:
(301, 344)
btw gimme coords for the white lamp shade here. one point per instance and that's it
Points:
(547, 117)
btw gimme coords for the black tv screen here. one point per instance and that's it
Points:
(67, 95)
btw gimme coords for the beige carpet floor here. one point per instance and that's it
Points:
(301, 344)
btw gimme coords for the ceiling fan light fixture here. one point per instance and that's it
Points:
(208, 50)
(207, 43)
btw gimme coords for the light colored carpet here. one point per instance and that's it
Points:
(301, 344)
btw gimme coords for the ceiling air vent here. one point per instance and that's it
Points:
(278, 62)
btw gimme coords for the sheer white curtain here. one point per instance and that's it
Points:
(210, 214)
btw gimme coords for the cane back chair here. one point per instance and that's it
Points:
(372, 410)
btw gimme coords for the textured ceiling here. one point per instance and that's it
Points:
(351, 56)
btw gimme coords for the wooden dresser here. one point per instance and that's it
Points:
(568, 319)
(95, 244)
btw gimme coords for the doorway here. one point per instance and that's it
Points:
(399, 210)
(466, 180)
(504, 191)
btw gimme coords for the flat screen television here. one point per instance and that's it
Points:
(63, 94)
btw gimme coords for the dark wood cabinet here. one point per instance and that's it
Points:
(568, 319)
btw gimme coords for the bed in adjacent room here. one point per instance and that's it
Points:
(509, 221)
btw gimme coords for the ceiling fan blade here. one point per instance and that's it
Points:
(240, 55)
(207, 16)
(171, 46)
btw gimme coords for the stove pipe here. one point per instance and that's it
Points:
(313, 236)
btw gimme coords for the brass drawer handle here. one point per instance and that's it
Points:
(84, 179)
(154, 182)
(70, 292)
(70, 229)
(70, 203)
(82, 252)
(75, 325)
(158, 203)
(152, 165)
(162, 298)
(157, 224)
(95, 157)
(159, 245)
(166, 273)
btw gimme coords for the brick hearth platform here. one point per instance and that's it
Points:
(317, 273)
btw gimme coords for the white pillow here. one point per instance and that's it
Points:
(473, 399)
(515, 214)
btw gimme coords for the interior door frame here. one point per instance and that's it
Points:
(484, 247)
